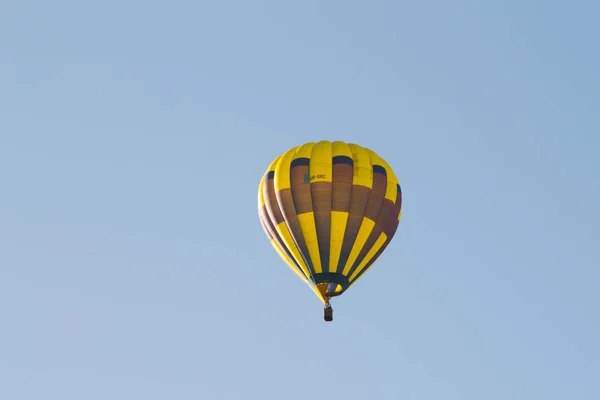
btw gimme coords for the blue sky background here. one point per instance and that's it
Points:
(133, 135)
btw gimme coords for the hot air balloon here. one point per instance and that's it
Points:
(329, 209)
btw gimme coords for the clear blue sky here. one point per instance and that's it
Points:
(133, 135)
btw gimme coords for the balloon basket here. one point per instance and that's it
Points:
(328, 313)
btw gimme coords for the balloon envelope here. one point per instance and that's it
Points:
(329, 209)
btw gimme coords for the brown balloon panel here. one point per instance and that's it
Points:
(329, 209)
